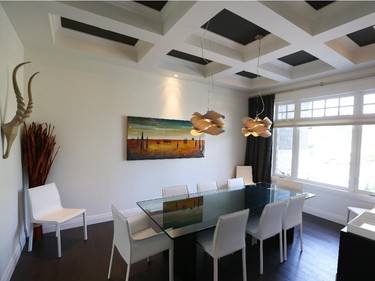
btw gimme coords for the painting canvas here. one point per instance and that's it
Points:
(154, 138)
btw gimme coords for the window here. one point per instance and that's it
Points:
(283, 151)
(285, 111)
(329, 141)
(324, 153)
(369, 104)
(327, 107)
(367, 160)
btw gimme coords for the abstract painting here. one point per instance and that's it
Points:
(154, 138)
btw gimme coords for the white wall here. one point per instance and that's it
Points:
(87, 102)
(11, 219)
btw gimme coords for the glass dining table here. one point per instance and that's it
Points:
(186, 214)
(181, 217)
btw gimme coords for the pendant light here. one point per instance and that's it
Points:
(256, 126)
(211, 122)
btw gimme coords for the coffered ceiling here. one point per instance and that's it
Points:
(300, 40)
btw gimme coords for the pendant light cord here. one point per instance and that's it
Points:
(211, 90)
(259, 38)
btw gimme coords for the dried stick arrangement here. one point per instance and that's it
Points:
(39, 151)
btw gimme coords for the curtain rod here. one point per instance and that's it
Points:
(323, 84)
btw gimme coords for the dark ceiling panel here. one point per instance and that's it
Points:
(188, 57)
(363, 37)
(298, 58)
(234, 27)
(156, 5)
(317, 5)
(247, 74)
(99, 32)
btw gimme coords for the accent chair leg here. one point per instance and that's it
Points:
(31, 237)
(58, 236)
(127, 273)
(110, 261)
(84, 226)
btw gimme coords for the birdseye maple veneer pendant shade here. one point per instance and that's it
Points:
(211, 123)
(257, 127)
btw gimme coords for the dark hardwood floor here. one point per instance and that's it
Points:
(88, 260)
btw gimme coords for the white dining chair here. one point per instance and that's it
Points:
(227, 237)
(45, 208)
(206, 186)
(177, 190)
(293, 217)
(289, 184)
(136, 240)
(245, 172)
(235, 182)
(269, 224)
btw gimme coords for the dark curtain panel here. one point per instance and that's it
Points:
(259, 150)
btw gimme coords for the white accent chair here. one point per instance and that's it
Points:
(227, 237)
(292, 217)
(289, 184)
(206, 186)
(177, 190)
(235, 182)
(45, 208)
(136, 240)
(268, 225)
(245, 172)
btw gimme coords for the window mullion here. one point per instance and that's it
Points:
(295, 153)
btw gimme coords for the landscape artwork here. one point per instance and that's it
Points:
(154, 138)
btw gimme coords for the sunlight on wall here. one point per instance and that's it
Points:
(173, 99)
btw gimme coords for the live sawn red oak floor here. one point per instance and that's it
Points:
(88, 260)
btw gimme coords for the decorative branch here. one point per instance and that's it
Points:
(39, 151)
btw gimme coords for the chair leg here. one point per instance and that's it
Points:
(58, 236)
(171, 264)
(127, 273)
(244, 264)
(281, 246)
(31, 237)
(216, 263)
(301, 237)
(84, 226)
(285, 247)
(261, 256)
(110, 261)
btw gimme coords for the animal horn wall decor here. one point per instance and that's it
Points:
(10, 129)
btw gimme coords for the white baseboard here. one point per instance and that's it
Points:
(325, 215)
(76, 222)
(13, 262)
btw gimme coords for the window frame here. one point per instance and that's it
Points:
(357, 119)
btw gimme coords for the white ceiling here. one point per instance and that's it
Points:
(293, 26)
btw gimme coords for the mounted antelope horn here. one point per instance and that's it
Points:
(10, 129)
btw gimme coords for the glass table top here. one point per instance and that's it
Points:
(182, 215)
